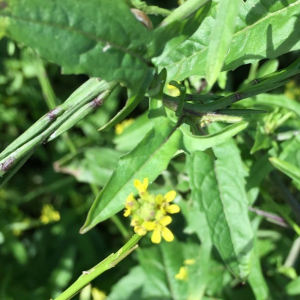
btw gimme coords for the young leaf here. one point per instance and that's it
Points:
(219, 188)
(148, 159)
(220, 38)
(94, 37)
(271, 24)
(286, 168)
(192, 143)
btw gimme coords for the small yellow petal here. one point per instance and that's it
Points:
(159, 199)
(166, 220)
(137, 184)
(149, 226)
(182, 274)
(140, 230)
(145, 183)
(156, 236)
(173, 209)
(167, 234)
(189, 262)
(127, 212)
(170, 196)
(130, 198)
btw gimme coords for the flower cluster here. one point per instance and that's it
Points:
(150, 212)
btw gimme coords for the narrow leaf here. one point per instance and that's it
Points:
(220, 38)
(148, 159)
(192, 143)
(286, 168)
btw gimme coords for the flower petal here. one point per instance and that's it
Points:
(156, 236)
(166, 220)
(130, 198)
(167, 234)
(159, 199)
(140, 230)
(148, 225)
(127, 212)
(170, 196)
(137, 184)
(182, 274)
(173, 209)
(145, 183)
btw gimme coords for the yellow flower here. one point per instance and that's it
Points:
(160, 229)
(164, 203)
(189, 262)
(130, 205)
(142, 187)
(150, 212)
(172, 90)
(49, 214)
(97, 294)
(122, 126)
(182, 274)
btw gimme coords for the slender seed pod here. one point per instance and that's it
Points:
(142, 17)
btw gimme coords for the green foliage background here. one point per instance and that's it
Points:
(39, 260)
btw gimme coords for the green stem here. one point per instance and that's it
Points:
(184, 11)
(108, 263)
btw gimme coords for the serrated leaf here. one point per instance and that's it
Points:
(219, 188)
(192, 143)
(220, 38)
(286, 168)
(148, 159)
(94, 37)
(264, 29)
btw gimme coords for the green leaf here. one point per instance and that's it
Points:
(94, 165)
(219, 188)
(273, 101)
(270, 23)
(220, 38)
(192, 143)
(130, 286)
(293, 288)
(148, 159)
(286, 168)
(132, 135)
(256, 278)
(160, 265)
(291, 151)
(262, 140)
(94, 37)
(267, 68)
(134, 99)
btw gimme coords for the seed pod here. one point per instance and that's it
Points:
(142, 17)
